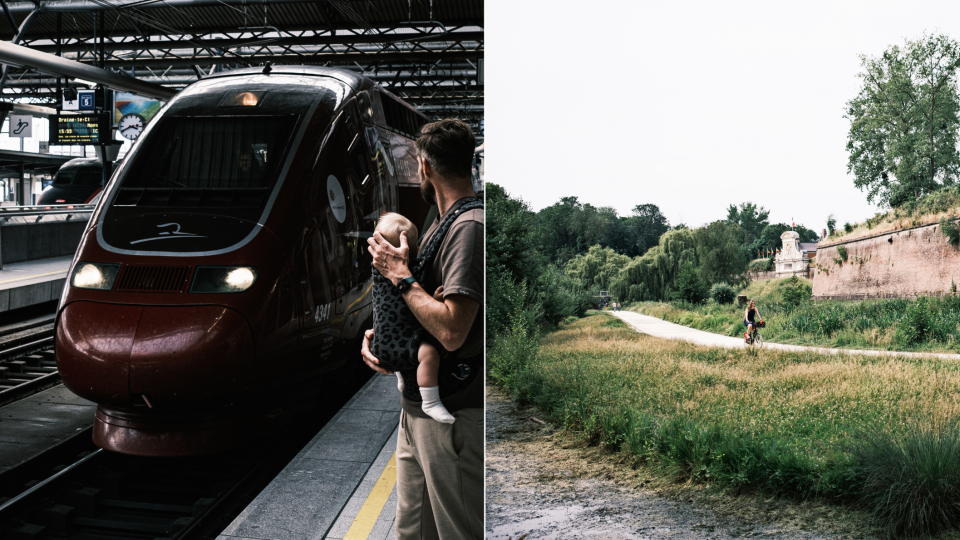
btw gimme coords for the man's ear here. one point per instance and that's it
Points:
(425, 166)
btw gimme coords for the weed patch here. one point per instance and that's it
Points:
(770, 421)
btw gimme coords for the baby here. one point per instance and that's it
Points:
(428, 356)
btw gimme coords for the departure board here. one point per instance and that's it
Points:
(80, 129)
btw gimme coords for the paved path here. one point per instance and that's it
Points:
(663, 329)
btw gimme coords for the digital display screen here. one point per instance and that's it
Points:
(81, 129)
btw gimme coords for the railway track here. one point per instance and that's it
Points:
(27, 360)
(95, 494)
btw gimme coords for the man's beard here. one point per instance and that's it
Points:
(427, 191)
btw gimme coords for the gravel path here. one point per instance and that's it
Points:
(668, 330)
(542, 484)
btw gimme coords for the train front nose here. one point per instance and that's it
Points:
(159, 357)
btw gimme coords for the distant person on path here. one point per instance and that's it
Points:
(750, 318)
(440, 466)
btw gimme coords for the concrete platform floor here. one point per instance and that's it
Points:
(32, 282)
(342, 484)
(35, 424)
(668, 330)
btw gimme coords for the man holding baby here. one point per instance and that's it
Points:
(439, 464)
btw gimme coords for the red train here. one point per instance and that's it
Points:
(225, 271)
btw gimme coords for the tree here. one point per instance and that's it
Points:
(646, 225)
(558, 239)
(721, 256)
(903, 124)
(770, 237)
(689, 286)
(511, 242)
(751, 219)
(597, 268)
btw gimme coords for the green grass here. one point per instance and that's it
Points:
(888, 324)
(840, 428)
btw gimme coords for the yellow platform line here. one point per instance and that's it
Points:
(373, 506)
(35, 276)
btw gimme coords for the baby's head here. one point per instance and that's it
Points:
(391, 225)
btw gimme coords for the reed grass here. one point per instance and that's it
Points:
(796, 424)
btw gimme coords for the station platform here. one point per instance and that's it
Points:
(32, 425)
(342, 485)
(28, 283)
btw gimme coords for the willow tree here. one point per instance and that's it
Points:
(903, 123)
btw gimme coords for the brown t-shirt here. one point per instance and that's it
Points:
(459, 267)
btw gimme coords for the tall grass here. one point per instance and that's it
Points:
(773, 421)
(926, 324)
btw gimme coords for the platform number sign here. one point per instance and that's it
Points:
(87, 99)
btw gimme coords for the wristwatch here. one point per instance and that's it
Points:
(406, 283)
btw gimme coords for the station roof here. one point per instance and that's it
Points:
(428, 53)
(10, 161)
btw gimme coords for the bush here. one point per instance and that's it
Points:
(560, 295)
(507, 300)
(796, 292)
(689, 286)
(951, 231)
(915, 325)
(911, 483)
(723, 293)
(761, 265)
(847, 227)
(842, 251)
(512, 352)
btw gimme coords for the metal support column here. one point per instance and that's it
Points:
(59, 53)
(20, 187)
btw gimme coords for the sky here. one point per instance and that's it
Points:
(692, 106)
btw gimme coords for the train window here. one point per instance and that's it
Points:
(230, 152)
(89, 177)
(79, 176)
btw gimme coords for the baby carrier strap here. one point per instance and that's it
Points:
(427, 253)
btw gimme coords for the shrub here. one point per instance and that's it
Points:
(513, 351)
(847, 227)
(915, 325)
(689, 286)
(796, 292)
(723, 293)
(951, 231)
(761, 265)
(561, 295)
(842, 251)
(911, 483)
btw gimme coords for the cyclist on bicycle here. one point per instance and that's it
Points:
(750, 317)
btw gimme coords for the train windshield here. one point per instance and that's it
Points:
(203, 176)
(79, 176)
(210, 153)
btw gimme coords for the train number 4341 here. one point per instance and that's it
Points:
(322, 313)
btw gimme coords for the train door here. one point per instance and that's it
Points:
(330, 261)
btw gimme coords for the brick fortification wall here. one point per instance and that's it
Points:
(901, 264)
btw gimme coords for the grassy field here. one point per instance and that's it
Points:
(931, 325)
(880, 431)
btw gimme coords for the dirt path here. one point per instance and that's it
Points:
(543, 484)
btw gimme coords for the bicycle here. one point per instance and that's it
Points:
(755, 339)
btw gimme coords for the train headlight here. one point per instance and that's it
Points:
(88, 275)
(223, 279)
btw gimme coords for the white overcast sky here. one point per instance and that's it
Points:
(691, 106)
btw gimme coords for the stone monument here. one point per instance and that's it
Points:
(791, 261)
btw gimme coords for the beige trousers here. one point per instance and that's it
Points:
(440, 477)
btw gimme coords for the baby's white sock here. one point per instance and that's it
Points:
(400, 385)
(433, 406)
